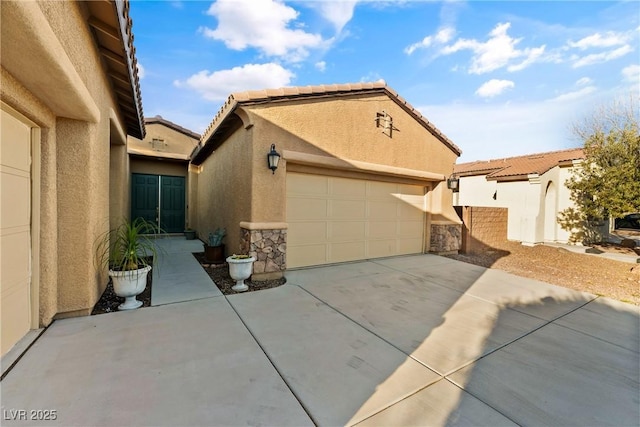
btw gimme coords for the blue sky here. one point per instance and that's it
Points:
(499, 78)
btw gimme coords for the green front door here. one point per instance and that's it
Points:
(172, 204)
(145, 198)
(159, 199)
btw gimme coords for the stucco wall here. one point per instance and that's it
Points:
(75, 154)
(343, 128)
(157, 167)
(174, 141)
(532, 216)
(224, 189)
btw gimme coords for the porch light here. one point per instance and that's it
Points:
(273, 158)
(453, 183)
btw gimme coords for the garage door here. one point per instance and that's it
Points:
(340, 219)
(15, 231)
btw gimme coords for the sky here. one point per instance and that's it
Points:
(499, 78)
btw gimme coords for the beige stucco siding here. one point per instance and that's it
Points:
(345, 128)
(224, 188)
(155, 167)
(76, 163)
(174, 142)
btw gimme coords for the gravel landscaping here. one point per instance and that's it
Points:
(558, 266)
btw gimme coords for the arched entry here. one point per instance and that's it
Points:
(550, 213)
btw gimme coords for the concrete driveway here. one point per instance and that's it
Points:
(418, 340)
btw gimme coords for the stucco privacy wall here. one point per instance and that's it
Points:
(224, 191)
(533, 204)
(74, 106)
(329, 127)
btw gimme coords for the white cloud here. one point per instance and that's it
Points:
(339, 13)
(217, 85)
(261, 24)
(140, 71)
(444, 35)
(610, 39)
(497, 52)
(572, 96)
(494, 87)
(584, 81)
(598, 58)
(631, 73)
(321, 66)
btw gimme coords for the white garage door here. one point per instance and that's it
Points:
(339, 219)
(15, 234)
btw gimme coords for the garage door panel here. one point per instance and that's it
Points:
(358, 219)
(16, 309)
(410, 245)
(304, 232)
(347, 251)
(381, 190)
(15, 189)
(410, 229)
(308, 184)
(382, 209)
(306, 209)
(383, 229)
(347, 230)
(349, 189)
(15, 257)
(408, 212)
(308, 255)
(348, 209)
(382, 248)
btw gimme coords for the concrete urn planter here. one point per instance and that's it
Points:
(240, 269)
(128, 285)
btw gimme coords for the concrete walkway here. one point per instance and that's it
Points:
(418, 340)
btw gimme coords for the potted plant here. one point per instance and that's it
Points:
(190, 234)
(125, 250)
(214, 249)
(240, 269)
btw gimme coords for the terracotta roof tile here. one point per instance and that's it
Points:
(520, 166)
(270, 95)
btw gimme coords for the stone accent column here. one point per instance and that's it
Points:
(267, 241)
(445, 237)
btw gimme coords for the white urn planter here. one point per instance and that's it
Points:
(128, 285)
(240, 269)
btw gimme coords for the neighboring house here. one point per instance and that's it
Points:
(159, 173)
(69, 96)
(532, 187)
(362, 175)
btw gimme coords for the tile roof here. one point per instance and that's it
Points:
(112, 29)
(161, 120)
(319, 91)
(512, 168)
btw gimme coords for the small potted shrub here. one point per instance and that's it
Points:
(240, 269)
(190, 234)
(214, 249)
(125, 250)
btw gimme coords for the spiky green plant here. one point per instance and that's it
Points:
(127, 246)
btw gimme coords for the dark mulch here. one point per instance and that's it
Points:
(219, 273)
(109, 301)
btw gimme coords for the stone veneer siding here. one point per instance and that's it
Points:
(445, 238)
(269, 247)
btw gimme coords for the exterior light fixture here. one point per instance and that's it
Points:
(273, 158)
(453, 183)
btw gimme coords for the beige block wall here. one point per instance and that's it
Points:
(224, 189)
(75, 163)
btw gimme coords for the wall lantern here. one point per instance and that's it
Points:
(273, 158)
(453, 183)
